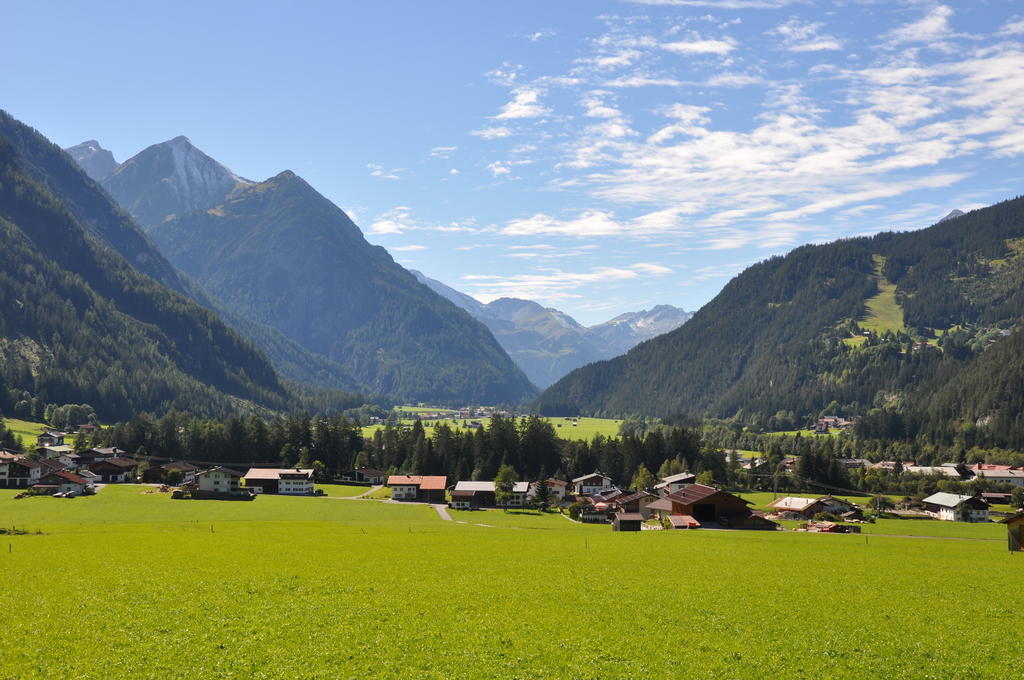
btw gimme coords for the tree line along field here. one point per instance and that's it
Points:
(132, 584)
(585, 428)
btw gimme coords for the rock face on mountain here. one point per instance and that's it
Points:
(953, 214)
(80, 324)
(170, 178)
(547, 343)
(94, 159)
(280, 254)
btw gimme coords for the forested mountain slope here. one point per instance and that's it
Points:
(282, 255)
(890, 321)
(79, 323)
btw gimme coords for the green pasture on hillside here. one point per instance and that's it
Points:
(586, 428)
(136, 585)
(883, 310)
(26, 429)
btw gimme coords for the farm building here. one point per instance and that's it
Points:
(156, 475)
(627, 521)
(61, 482)
(1008, 476)
(282, 481)
(364, 475)
(115, 470)
(467, 495)
(636, 503)
(595, 482)
(1015, 531)
(805, 507)
(220, 482)
(712, 508)
(674, 483)
(520, 495)
(96, 455)
(427, 489)
(50, 438)
(956, 508)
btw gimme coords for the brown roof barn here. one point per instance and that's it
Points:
(711, 507)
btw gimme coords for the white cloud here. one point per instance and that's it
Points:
(399, 220)
(555, 285)
(801, 36)
(1013, 27)
(409, 248)
(492, 132)
(453, 172)
(443, 151)
(384, 173)
(720, 4)
(687, 47)
(525, 104)
(932, 27)
(643, 81)
(504, 168)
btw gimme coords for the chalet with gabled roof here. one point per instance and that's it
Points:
(220, 482)
(18, 472)
(423, 488)
(115, 470)
(706, 506)
(956, 507)
(61, 481)
(589, 484)
(283, 481)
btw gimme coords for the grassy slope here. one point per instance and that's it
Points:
(884, 312)
(390, 591)
(27, 430)
(585, 429)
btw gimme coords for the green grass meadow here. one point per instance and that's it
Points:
(27, 430)
(134, 585)
(586, 428)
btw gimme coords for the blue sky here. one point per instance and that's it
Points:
(598, 157)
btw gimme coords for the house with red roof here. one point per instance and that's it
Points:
(61, 482)
(422, 488)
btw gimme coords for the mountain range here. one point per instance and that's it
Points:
(547, 343)
(293, 273)
(898, 329)
(91, 312)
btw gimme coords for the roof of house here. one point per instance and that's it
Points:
(682, 476)
(794, 503)
(275, 473)
(946, 500)
(660, 504)
(474, 487)
(370, 472)
(179, 465)
(629, 517)
(635, 496)
(1013, 518)
(683, 521)
(107, 451)
(117, 461)
(68, 476)
(695, 493)
(521, 487)
(25, 462)
(58, 448)
(584, 478)
(1000, 474)
(220, 468)
(424, 482)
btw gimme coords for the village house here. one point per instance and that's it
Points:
(468, 495)
(156, 475)
(281, 481)
(704, 506)
(18, 472)
(90, 456)
(953, 507)
(627, 521)
(365, 475)
(557, 488)
(115, 470)
(637, 502)
(674, 483)
(520, 495)
(61, 482)
(50, 438)
(1004, 476)
(423, 488)
(595, 482)
(797, 506)
(1015, 531)
(220, 482)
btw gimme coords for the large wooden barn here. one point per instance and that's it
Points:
(1015, 531)
(706, 506)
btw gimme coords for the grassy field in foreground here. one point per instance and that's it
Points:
(340, 490)
(585, 428)
(133, 585)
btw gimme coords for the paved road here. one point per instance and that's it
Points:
(442, 512)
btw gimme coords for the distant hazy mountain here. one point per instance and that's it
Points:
(279, 254)
(953, 214)
(94, 159)
(170, 178)
(547, 344)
